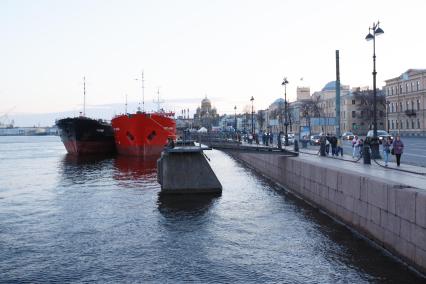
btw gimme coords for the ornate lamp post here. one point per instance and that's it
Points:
(235, 118)
(252, 116)
(285, 82)
(374, 144)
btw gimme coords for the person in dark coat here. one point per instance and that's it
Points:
(333, 142)
(398, 148)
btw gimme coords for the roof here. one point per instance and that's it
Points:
(406, 73)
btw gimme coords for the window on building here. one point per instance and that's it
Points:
(418, 86)
(406, 87)
(418, 123)
(400, 89)
(388, 123)
(353, 102)
(400, 106)
(392, 91)
(393, 125)
(412, 124)
(391, 107)
(407, 105)
(411, 85)
(381, 113)
(418, 104)
(412, 105)
(397, 125)
(407, 124)
(353, 114)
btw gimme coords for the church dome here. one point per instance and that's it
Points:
(278, 101)
(330, 86)
(206, 104)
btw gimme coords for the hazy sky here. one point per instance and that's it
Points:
(228, 49)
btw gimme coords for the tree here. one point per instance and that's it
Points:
(311, 108)
(260, 117)
(366, 106)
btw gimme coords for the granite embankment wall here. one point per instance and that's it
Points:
(392, 215)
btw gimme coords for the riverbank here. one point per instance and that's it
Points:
(387, 206)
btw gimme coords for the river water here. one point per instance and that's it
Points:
(64, 219)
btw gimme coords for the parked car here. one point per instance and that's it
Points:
(315, 140)
(381, 134)
(290, 139)
(348, 135)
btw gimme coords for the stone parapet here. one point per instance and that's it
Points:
(393, 215)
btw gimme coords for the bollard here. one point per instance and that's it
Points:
(296, 146)
(366, 155)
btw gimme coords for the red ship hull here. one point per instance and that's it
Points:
(143, 134)
(88, 147)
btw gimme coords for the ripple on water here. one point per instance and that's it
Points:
(67, 219)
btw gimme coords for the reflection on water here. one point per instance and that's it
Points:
(101, 219)
(128, 167)
(79, 170)
(181, 204)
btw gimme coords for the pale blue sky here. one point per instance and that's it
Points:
(228, 49)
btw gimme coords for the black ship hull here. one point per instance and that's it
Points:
(83, 136)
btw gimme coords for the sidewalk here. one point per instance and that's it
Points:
(391, 173)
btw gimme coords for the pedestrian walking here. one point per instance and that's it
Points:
(327, 144)
(355, 146)
(398, 148)
(386, 150)
(339, 148)
(360, 147)
(333, 142)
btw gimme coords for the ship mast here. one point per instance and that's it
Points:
(143, 92)
(158, 102)
(84, 96)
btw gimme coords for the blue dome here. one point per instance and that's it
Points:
(279, 100)
(330, 86)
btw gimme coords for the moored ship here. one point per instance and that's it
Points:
(83, 135)
(143, 134)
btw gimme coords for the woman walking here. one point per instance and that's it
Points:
(398, 148)
(386, 150)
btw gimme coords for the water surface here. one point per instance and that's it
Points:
(64, 219)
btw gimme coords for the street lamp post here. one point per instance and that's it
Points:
(252, 116)
(285, 82)
(374, 144)
(387, 116)
(235, 118)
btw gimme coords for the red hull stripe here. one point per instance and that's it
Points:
(89, 147)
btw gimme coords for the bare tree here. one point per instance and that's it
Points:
(311, 108)
(366, 106)
(260, 117)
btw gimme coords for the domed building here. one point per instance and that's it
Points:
(206, 115)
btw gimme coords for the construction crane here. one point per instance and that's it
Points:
(4, 119)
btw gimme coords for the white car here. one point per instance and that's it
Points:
(381, 134)
(291, 138)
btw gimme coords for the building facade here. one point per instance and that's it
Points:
(206, 115)
(406, 103)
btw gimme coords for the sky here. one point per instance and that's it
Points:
(227, 50)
